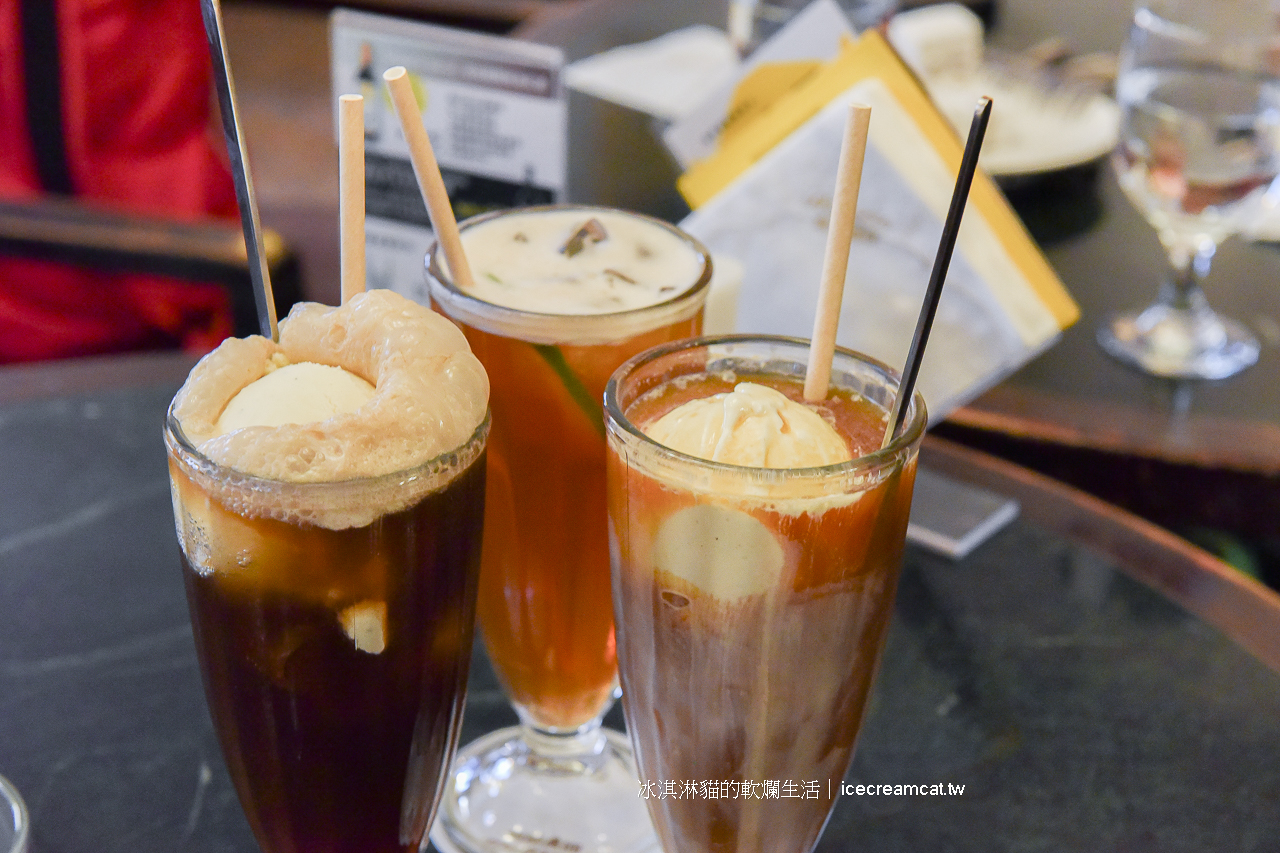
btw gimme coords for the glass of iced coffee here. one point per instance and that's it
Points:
(562, 295)
(757, 542)
(328, 492)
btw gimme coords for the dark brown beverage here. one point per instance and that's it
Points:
(328, 494)
(333, 747)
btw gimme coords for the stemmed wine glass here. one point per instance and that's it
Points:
(542, 319)
(1200, 103)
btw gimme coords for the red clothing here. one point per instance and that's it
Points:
(140, 134)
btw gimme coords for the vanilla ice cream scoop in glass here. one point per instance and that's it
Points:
(753, 425)
(328, 495)
(756, 543)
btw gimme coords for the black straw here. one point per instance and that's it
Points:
(950, 230)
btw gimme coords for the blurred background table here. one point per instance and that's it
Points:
(1090, 680)
(1202, 458)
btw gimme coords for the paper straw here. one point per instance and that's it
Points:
(351, 193)
(950, 230)
(428, 172)
(835, 263)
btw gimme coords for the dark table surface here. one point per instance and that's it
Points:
(1185, 454)
(1079, 708)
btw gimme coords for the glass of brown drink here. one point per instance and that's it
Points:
(562, 296)
(751, 601)
(331, 570)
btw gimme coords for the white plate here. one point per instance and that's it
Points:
(1032, 130)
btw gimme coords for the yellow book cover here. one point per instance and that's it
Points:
(763, 198)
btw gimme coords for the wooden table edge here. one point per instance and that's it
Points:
(1240, 607)
(1124, 429)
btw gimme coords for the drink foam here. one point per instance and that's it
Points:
(430, 399)
(546, 275)
(520, 261)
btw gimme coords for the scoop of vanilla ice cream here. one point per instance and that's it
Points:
(725, 552)
(430, 395)
(300, 393)
(752, 426)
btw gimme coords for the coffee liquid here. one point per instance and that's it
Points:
(334, 744)
(749, 702)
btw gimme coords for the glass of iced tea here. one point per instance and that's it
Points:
(562, 295)
(330, 536)
(757, 544)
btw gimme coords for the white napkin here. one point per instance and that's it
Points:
(664, 78)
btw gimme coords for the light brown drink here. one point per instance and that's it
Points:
(562, 296)
(545, 610)
(751, 602)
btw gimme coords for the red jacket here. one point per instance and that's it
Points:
(139, 132)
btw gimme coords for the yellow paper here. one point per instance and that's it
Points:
(871, 57)
(760, 89)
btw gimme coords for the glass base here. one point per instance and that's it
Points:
(518, 791)
(1180, 343)
(15, 823)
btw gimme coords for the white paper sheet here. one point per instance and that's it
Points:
(665, 78)
(773, 220)
(814, 34)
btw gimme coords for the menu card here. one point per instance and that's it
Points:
(761, 203)
(494, 109)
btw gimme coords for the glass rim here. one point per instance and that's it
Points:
(1185, 21)
(176, 439)
(19, 815)
(911, 432)
(439, 284)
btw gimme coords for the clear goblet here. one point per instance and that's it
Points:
(561, 296)
(1200, 106)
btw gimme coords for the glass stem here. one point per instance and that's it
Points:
(1182, 291)
(580, 750)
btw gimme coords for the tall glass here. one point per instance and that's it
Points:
(752, 603)
(1199, 147)
(334, 649)
(544, 610)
